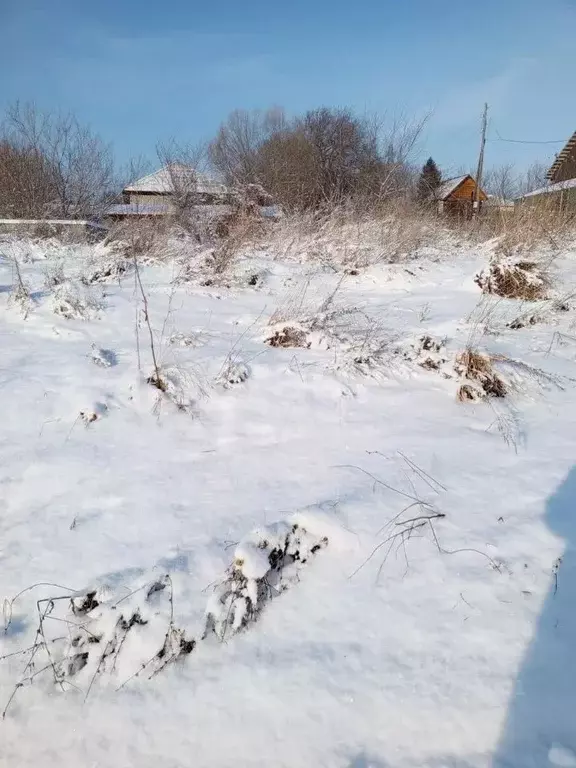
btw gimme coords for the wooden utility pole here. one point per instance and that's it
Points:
(476, 207)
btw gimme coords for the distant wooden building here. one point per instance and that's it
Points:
(560, 193)
(456, 196)
(564, 166)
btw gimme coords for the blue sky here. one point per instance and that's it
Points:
(149, 70)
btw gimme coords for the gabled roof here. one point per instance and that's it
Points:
(568, 151)
(176, 175)
(448, 186)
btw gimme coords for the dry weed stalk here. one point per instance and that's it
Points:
(156, 379)
(20, 295)
(401, 529)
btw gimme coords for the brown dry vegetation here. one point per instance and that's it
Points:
(480, 378)
(525, 280)
(523, 228)
(288, 336)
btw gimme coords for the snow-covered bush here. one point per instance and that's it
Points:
(20, 295)
(117, 634)
(54, 275)
(526, 280)
(75, 301)
(427, 352)
(179, 387)
(108, 271)
(233, 372)
(265, 564)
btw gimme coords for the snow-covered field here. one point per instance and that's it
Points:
(423, 609)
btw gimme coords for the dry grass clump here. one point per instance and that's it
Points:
(178, 387)
(542, 312)
(525, 280)
(480, 378)
(231, 233)
(288, 336)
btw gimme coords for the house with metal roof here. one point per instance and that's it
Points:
(166, 191)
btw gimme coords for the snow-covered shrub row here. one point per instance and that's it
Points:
(118, 635)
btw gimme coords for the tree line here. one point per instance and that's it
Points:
(53, 166)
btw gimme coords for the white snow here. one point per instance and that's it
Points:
(451, 645)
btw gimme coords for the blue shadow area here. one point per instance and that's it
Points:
(542, 710)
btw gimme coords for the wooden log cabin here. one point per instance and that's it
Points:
(564, 166)
(456, 196)
(560, 192)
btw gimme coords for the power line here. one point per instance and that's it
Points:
(521, 141)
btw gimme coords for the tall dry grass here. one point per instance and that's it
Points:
(525, 227)
(355, 237)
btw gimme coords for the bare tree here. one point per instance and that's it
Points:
(26, 185)
(502, 182)
(398, 142)
(344, 152)
(235, 151)
(533, 178)
(324, 157)
(78, 164)
(287, 169)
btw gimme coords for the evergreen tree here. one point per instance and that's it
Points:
(429, 181)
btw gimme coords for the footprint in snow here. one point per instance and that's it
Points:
(105, 358)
